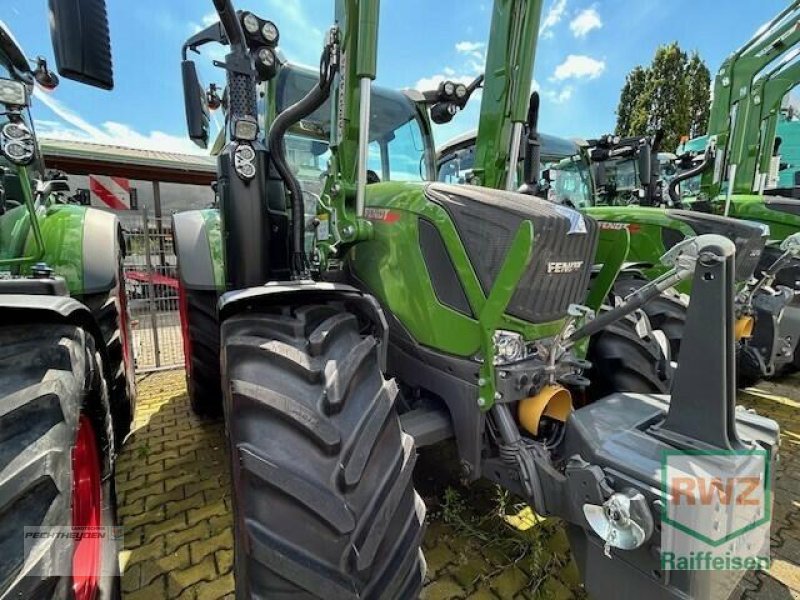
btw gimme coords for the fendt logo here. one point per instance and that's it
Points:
(559, 267)
(715, 510)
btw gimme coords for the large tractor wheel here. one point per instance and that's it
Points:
(110, 310)
(201, 350)
(56, 464)
(324, 504)
(625, 360)
(667, 312)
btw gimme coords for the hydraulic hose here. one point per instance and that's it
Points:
(290, 116)
(673, 185)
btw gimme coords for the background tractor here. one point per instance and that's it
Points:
(768, 314)
(382, 311)
(66, 366)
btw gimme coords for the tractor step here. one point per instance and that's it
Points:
(427, 426)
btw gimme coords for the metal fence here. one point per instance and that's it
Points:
(151, 282)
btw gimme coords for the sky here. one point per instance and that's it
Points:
(585, 49)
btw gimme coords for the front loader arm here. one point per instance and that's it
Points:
(770, 91)
(732, 100)
(506, 90)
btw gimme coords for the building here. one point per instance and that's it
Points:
(161, 183)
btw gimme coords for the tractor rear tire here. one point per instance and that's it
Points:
(324, 503)
(201, 331)
(667, 312)
(110, 311)
(53, 397)
(625, 361)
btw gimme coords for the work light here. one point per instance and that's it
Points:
(13, 93)
(251, 23)
(245, 128)
(269, 32)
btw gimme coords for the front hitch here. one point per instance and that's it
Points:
(634, 462)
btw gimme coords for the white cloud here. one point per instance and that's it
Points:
(474, 49)
(584, 22)
(559, 96)
(552, 18)
(207, 20)
(74, 127)
(578, 66)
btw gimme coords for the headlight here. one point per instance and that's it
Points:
(243, 158)
(509, 347)
(269, 32)
(13, 93)
(251, 23)
(245, 129)
(16, 143)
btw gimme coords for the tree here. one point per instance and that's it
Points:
(671, 94)
(633, 89)
(699, 80)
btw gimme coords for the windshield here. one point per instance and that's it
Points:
(397, 150)
(569, 182)
(458, 167)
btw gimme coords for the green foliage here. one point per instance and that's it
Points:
(672, 93)
(699, 80)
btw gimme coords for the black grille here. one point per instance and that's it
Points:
(564, 240)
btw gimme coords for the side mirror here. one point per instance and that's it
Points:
(81, 41)
(600, 176)
(645, 165)
(196, 105)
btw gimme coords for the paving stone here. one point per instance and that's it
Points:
(179, 580)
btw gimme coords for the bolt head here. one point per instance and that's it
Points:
(481, 401)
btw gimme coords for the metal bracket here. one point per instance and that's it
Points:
(702, 408)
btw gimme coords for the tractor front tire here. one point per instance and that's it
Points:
(324, 503)
(667, 312)
(56, 463)
(625, 361)
(201, 335)
(110, 312)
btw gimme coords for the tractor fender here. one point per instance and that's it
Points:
(198, 246)
(101, 235)
(82, 245)
(36, 308)
(308, 292)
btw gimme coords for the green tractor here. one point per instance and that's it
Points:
(379, 310)
(66, 363)
(619, 182)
